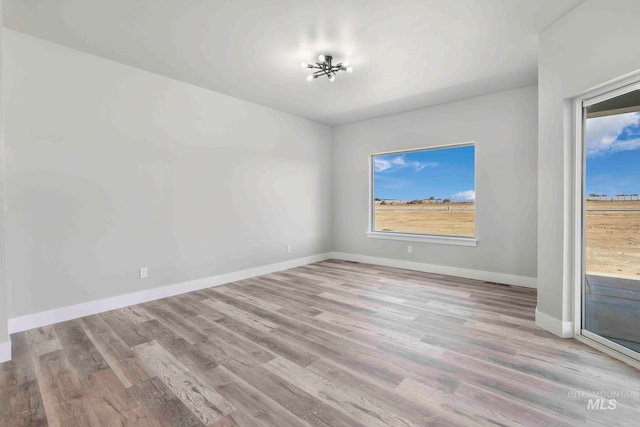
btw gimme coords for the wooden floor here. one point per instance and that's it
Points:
(328, 344)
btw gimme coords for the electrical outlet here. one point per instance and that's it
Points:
(144, 272)
(289, 248)
(409, 249)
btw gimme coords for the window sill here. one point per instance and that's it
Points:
(443, 240)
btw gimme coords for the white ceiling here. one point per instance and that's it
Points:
(406, 54)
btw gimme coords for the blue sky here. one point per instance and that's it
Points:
(613, 154)
(441, 173)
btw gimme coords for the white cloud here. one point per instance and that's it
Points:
(465, 195)
(419, 166)
(629, 145)
(602, 133)
(381, 165)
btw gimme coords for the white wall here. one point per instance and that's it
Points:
(110, 168)
(594, 44)
(504, 128)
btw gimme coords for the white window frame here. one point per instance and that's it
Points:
(414, 237)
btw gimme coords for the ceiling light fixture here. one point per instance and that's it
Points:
(325, 67)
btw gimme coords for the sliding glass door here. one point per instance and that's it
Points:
(611, 220)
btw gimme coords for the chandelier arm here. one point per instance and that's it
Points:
(325, 72)
(332, 70)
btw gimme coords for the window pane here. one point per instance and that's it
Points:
(612, 220)
(428, 191)
(612, 188)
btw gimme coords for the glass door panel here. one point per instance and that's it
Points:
(611, 290)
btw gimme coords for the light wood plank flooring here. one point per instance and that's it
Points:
(329, 344)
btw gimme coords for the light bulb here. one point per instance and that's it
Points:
(332, 78)
(345, 64)
(349, 69)
(310, 77)
(304, 65)
(320, 58)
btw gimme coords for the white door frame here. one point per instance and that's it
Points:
(589, 98)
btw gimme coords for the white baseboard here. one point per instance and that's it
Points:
(553, 325)
(36, 320)
(487, 276)
(49, 317)
(5, 351)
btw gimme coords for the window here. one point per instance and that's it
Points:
(424, 195)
